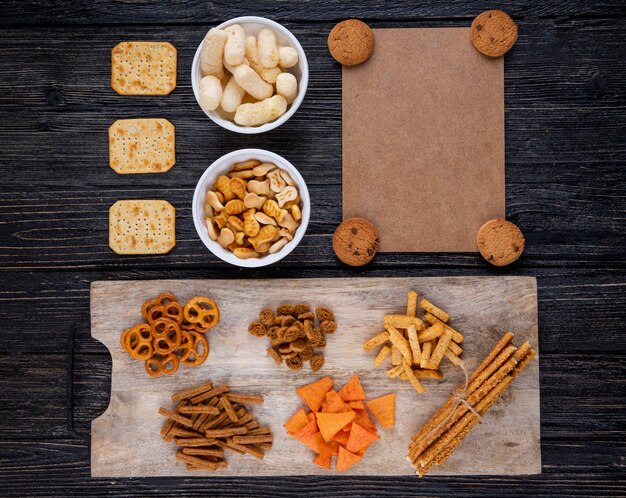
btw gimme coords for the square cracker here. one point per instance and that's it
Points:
(143, 68)
(142, 227)
(142, 146)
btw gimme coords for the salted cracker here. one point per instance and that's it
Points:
(142, 146)
(143, 68)
(142, 227)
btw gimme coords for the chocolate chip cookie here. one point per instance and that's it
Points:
(500, 242)
(355, 241)
(493, 33)
(351, 42)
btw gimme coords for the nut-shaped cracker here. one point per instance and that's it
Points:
(239, 238)
(266, 233)
(222, 183)
(263, 247)
(277, 246)
(235, 206)
(263, 169)
(264, 219)
(221, 219)
(246, 175)
(287, 177)
(226, 237)
(252, 200)
(220, 196)
(283, 232)
(259, 188)
(235, 223)
(271, 208)
(251, 226)
(288, 222)
(238, 187)
(286, 195)
(210, 228)
(277, 184)
(245, 253)
(245, 165)
(296, 213)
(214, 202)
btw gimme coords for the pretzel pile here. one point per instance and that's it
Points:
(172, 334)
(209, 419)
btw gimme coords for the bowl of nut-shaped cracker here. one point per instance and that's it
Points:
(249, 74)
(251, 208)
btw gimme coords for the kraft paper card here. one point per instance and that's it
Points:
(423, 140)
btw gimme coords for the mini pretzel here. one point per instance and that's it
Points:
(137, 341)
(202, 311)
(199, 350)
(174, 311)
(157, 365)
(186, 346)
(160, 300)
(167, 335)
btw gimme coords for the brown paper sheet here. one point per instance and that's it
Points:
(423, 139)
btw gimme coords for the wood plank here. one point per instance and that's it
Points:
(125, 439)
(196, 11)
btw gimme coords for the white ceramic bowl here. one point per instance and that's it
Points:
(222, 166)
(252, 25)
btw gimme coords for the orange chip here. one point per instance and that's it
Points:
(305, 434)
(325, 457)
(310, 416)
(334, 403)
(360, 438)
(356, 404)
(331, 423)
(346, 459)
(324, 407)
(342, 437)
(297, 422)
(352, 391)
(317, 442)
(364, 420)
(314, 394)
(384, 409)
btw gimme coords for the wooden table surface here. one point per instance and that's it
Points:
(565, 95)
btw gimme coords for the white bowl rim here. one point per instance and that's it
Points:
(198, 209)
(303, 83)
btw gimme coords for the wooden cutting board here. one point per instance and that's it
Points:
(125, 440)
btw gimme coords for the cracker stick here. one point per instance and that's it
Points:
(209, 394)
(412, 379)
(264, 446)
(169, 424)
(427, 374)
(427, 347)
(432, 319)
(416, 350)
(260, 431)
(454, 359)
(250, 450)
(411, 303)
(393, 372)
(396, 356)
(253, 424)
(179, 431)
(377, 340)
(264, 438)
(402, 322)
(431, 332)
(226, 446)
(398, 340)
(175, 416)
(190, 393)
(197, 462)
(204, 452)
(243, 398)
(455, 348)
(522, 364)
(233, 431)
(194, 441)
(203, 417)
(211, 410)
(440, 350)
(488, 372)
(228, 408)
(497, 349)
(431, 308)
(382, 354)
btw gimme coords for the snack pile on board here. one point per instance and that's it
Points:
(416, 351)
(293, 334)
(442, 434)
(258, 85)
(209, 420)
(339, 423)
(172, 334)
(253, 210)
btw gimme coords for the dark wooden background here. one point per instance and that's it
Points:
(565, 91)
